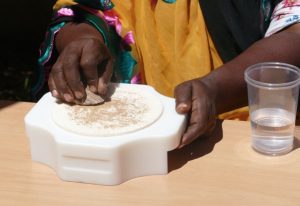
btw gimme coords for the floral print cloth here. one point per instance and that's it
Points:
(285, 14)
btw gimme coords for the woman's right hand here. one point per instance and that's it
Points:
(81, 51)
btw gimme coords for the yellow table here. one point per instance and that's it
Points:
(221, 170)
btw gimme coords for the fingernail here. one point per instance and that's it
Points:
(103, 89)
(182, 107)
(54, 93)
(68, 97)
(93, 88)
(78, 95)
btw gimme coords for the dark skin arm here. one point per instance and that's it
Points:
(81, 49)
(224, 89)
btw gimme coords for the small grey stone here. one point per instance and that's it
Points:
(92, 98)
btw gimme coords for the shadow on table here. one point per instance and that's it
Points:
(4, 103)
(296, 143)
(200, 147)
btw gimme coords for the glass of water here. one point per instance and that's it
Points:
(273, 90)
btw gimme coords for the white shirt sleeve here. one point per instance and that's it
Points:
(285, 14)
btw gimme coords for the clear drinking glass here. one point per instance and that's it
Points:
(273, 90)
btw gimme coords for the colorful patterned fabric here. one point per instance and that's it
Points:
(285, 14)
(158, 36)
(107, 25)
(156, 42)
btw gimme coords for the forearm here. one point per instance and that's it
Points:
(228, 83)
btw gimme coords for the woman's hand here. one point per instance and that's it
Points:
(225, 89)
(82, 54)
(196, 98)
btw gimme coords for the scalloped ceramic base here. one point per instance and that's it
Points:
(104, 160)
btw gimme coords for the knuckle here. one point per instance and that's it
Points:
(70, 60)
(61, 85)
(63, 88)
(92, 41)
(73, 45)
(56, 68)
(87, 63)
(74, 84)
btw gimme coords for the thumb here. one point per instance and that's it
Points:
(183, 96)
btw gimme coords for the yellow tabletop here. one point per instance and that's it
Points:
(220, 170)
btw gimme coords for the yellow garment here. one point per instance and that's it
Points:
(61, 3)
(172, 44)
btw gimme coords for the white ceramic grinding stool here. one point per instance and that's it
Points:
(108, 160)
